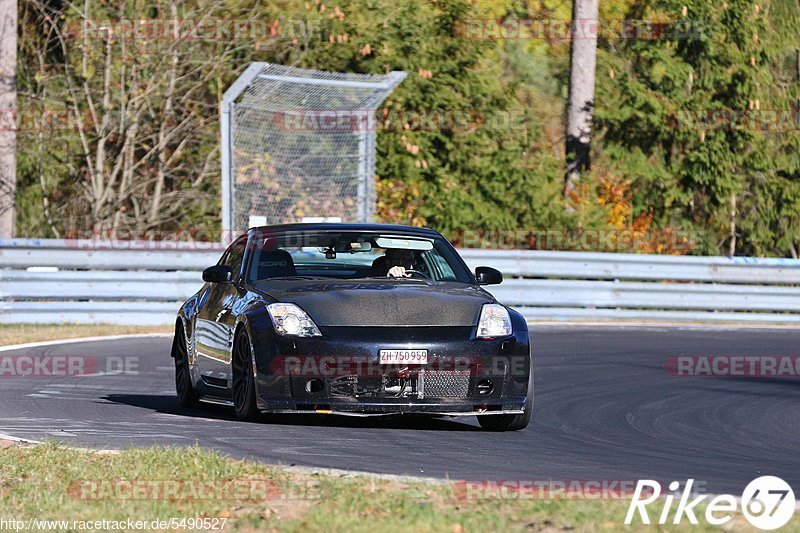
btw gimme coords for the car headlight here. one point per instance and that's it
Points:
(494, 322)
(289, 319)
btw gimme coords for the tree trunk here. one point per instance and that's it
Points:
(732, 227)
(581, 89)
(8, 110)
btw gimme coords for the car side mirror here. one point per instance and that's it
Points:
(218, 274)
(488, 276)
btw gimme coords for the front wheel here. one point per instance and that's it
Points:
(505, 422)
(244, 388)
(187, 396)
(510, 422)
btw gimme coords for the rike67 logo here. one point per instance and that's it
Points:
(767, 502)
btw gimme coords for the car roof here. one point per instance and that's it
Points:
(348, 226)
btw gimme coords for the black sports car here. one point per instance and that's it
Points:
(352, 319)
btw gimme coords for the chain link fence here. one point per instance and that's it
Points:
(299, 144)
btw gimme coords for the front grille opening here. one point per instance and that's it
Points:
(385, 386)
(419, 384)
(446, 384)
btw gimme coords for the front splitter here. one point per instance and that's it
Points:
(357, 414)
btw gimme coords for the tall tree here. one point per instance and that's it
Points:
(691, 106)
(580, 106)
(8, 106)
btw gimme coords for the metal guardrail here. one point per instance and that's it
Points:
(49, 280)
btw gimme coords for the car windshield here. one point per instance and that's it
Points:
(354, 255)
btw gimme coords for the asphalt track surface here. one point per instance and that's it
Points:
(605, 409)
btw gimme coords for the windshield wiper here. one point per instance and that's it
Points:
(293, 277)
(392, 278)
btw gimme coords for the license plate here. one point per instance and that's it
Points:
(403, 357)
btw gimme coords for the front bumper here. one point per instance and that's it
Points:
(464, 375)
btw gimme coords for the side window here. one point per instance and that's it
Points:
(233, 257)
(442, 271)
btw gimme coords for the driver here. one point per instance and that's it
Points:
(398, 260)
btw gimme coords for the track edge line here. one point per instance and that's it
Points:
(75, 340)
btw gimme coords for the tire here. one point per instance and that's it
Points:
(244, 387)
(187, 396)
(510, 422)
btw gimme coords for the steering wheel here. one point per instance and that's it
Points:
(418, 273)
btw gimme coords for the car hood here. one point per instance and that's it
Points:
(381, 302)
